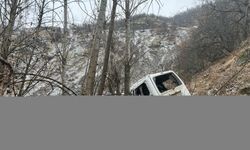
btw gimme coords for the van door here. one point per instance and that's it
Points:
(142, 90)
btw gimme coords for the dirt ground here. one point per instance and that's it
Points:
(229, 76)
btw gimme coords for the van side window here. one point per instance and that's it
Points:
(142, 90)
(167, 82)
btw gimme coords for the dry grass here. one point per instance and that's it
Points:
(230, 77)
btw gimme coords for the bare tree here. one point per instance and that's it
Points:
(14, 9)
(129, 8)
(64, 52)
(95, 50)
(222, 25)
(41, 7)
(24, 59)
(108, 47)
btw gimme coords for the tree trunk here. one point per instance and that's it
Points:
(41, 13)
(110, 87)
(53, 13)
(127, 50)
(64, 52)
(4, 49)
(107, 50)
(246, 20)
(118, 83)
(95, 50)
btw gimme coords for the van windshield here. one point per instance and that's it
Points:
(167, 82)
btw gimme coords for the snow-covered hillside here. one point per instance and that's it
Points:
(151, 49)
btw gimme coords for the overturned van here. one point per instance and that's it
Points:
(160, 84)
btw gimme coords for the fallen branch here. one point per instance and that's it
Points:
(226, 83)
(42, 80)
(48, 78)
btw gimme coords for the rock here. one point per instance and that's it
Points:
(211, 92)
(206, 75)
(245, 91)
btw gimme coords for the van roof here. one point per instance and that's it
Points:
(139, 82)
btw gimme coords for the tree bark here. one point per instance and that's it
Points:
(246, 19)
(4, 49)
(127, 49)
(41, 13)
(95, 50)
(64, 51)
(108, 48)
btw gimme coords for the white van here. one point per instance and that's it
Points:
(160, 84)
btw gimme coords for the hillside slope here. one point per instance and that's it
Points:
(229, 76)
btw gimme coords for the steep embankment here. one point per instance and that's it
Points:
(229, 76)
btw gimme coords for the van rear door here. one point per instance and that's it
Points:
(170, 84)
